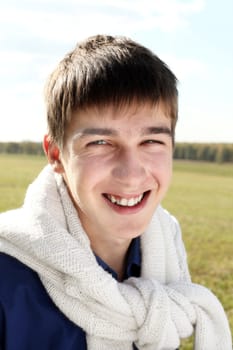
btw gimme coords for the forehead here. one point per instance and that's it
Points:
(135, 115)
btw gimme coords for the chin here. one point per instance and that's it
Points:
(131, 232)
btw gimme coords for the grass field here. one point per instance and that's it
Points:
(201, 197)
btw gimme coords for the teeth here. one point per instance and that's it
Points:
(124, 202)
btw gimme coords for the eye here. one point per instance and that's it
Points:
(97, 143)
(153, 142)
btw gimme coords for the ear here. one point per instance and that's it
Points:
(53, 154)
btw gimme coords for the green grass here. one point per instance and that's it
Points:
(201, 197)
(17, 171)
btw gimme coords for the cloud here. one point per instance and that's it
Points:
(184, 68)
(34, 36)
(64, 21)
(23, 115)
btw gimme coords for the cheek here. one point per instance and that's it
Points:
(161, 167)
(86, 174)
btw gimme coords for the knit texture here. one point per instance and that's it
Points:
(154, 311)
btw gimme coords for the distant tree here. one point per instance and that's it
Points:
(31, 147)
(26, 147)
(210, 152)
(224, 153)
(12, 147)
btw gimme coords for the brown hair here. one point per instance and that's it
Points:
(106, 70)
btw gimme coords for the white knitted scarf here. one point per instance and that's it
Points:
(154, 311)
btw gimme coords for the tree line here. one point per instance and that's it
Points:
(210, 152)
(25, 147)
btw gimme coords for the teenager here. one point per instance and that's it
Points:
(92, 261)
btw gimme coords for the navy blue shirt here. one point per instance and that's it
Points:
(29, 320)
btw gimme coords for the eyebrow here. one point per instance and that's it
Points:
(157, 130)
(98, 131)
(113, 132)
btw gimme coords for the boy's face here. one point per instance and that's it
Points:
(117, 166)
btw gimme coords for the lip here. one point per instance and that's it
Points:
(128, 210)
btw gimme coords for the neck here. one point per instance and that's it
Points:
(113, 253)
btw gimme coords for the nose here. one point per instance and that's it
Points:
(129, 169)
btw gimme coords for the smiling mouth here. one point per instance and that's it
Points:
(126, 202)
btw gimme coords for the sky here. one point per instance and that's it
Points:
(194, 37)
